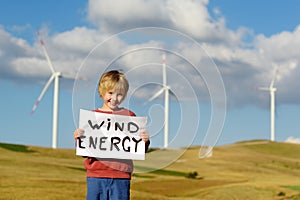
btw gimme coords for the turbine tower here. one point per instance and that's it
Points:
(272, 91)
(54, 77)
(165, 89)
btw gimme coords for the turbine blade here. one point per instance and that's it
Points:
(274, 78)
(46, 53)
(164, 70)
(81, 78)
(68, 76)
(172, 93)
(263, 88)
(157, 94)
(42, 93)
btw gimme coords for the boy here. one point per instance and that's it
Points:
(110, 178)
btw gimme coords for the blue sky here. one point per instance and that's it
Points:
(246, 40)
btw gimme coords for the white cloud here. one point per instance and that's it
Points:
(293, 140)
(120, 15)
(243, 66)
(189, 16)
(280, 46)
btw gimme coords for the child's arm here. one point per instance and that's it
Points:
(145, 138)
(77, 133)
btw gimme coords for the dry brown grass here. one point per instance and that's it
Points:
(249, 170)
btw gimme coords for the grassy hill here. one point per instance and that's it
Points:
(250, 170)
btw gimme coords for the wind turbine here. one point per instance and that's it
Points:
(165, 89)
(54, 77)
(272, 91)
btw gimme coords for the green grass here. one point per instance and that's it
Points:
(16, 148)
(163, 171)
(250, 170)
(297, 188)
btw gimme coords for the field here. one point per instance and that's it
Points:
(250, 170)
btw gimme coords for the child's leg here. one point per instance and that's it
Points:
(97, 188)
(119, 189)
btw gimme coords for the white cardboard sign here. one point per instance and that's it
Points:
(111, 136)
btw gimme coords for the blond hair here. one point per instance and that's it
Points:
(113, 80)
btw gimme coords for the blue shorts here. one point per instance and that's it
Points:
(108, 189)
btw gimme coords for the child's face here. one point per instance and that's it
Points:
(112, 99)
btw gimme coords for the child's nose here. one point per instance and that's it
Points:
(114, 96)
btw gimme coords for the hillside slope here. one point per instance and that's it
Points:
(246, 170)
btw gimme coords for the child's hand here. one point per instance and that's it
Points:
(145, 136)
(78, 132)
